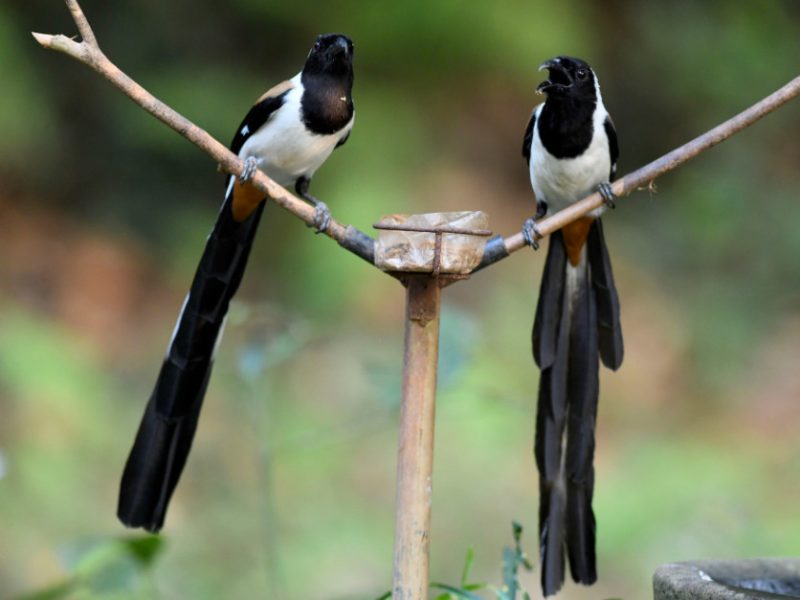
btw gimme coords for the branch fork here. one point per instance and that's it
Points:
(88, 52)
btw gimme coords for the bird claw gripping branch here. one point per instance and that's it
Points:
(249, 169)
(531, 233)
(608, 194)
(322, 216)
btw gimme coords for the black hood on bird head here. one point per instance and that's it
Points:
(332, 55)
(568, 78)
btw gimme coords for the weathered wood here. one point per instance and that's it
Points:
(415, 446)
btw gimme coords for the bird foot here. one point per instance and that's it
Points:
(531, 233)
(248, 170)
(322, 216)
(608, 194)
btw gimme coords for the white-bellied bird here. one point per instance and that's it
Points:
(290, 131)
(571, 148)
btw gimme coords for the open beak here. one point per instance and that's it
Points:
(558, 78)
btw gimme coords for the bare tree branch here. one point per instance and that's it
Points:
(644, 177)
(88, 52)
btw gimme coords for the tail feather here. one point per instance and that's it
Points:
(549, 309)
(552, 485)
(167, 429)
(609, 328)
(577, 324)
(583, 389)
(155, 463)
(551, 416)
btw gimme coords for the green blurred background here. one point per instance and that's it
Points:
(289, 490)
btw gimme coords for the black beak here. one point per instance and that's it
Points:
(559, 77)
(340, 47)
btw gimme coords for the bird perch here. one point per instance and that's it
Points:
(88, 52)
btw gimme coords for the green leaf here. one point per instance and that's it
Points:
(385, 596)
(468, 560)
(475, 586)
(457, 592)
(144, 549)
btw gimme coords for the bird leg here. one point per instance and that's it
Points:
(608, 194)
(322, 214)
(541, 210)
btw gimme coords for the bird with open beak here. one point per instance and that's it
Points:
(571, 148)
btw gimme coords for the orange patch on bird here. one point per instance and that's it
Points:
(575, 235)
(246, 199)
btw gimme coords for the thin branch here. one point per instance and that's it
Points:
(83, 24)
(88, 52)
(498, 248)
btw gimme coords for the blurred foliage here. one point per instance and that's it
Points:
(513, 559)
(105, 568)
(289, 492)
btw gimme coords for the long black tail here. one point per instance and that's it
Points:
(170, 420)
(577, 322)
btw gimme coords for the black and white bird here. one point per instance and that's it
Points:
(290, 131)
(571, 148)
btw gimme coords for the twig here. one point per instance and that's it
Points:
(88, 52)
(83, 24)
(498, 248)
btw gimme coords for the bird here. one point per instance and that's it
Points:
(288, 133)
(571, 148)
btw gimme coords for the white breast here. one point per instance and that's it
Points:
(285, 149)
(563, 181)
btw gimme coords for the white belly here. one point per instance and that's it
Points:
(285, 149)
(563, 181)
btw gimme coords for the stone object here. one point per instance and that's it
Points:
(752, 579)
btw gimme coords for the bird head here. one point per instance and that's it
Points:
(331, 54)
(568, 78)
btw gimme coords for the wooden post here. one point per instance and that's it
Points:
(415, 452)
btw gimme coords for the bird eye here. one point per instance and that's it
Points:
(317, 46)
(581, 73)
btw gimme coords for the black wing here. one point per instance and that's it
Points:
(168, 426)
(528, 140)
(613, 146)
(256, 117)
